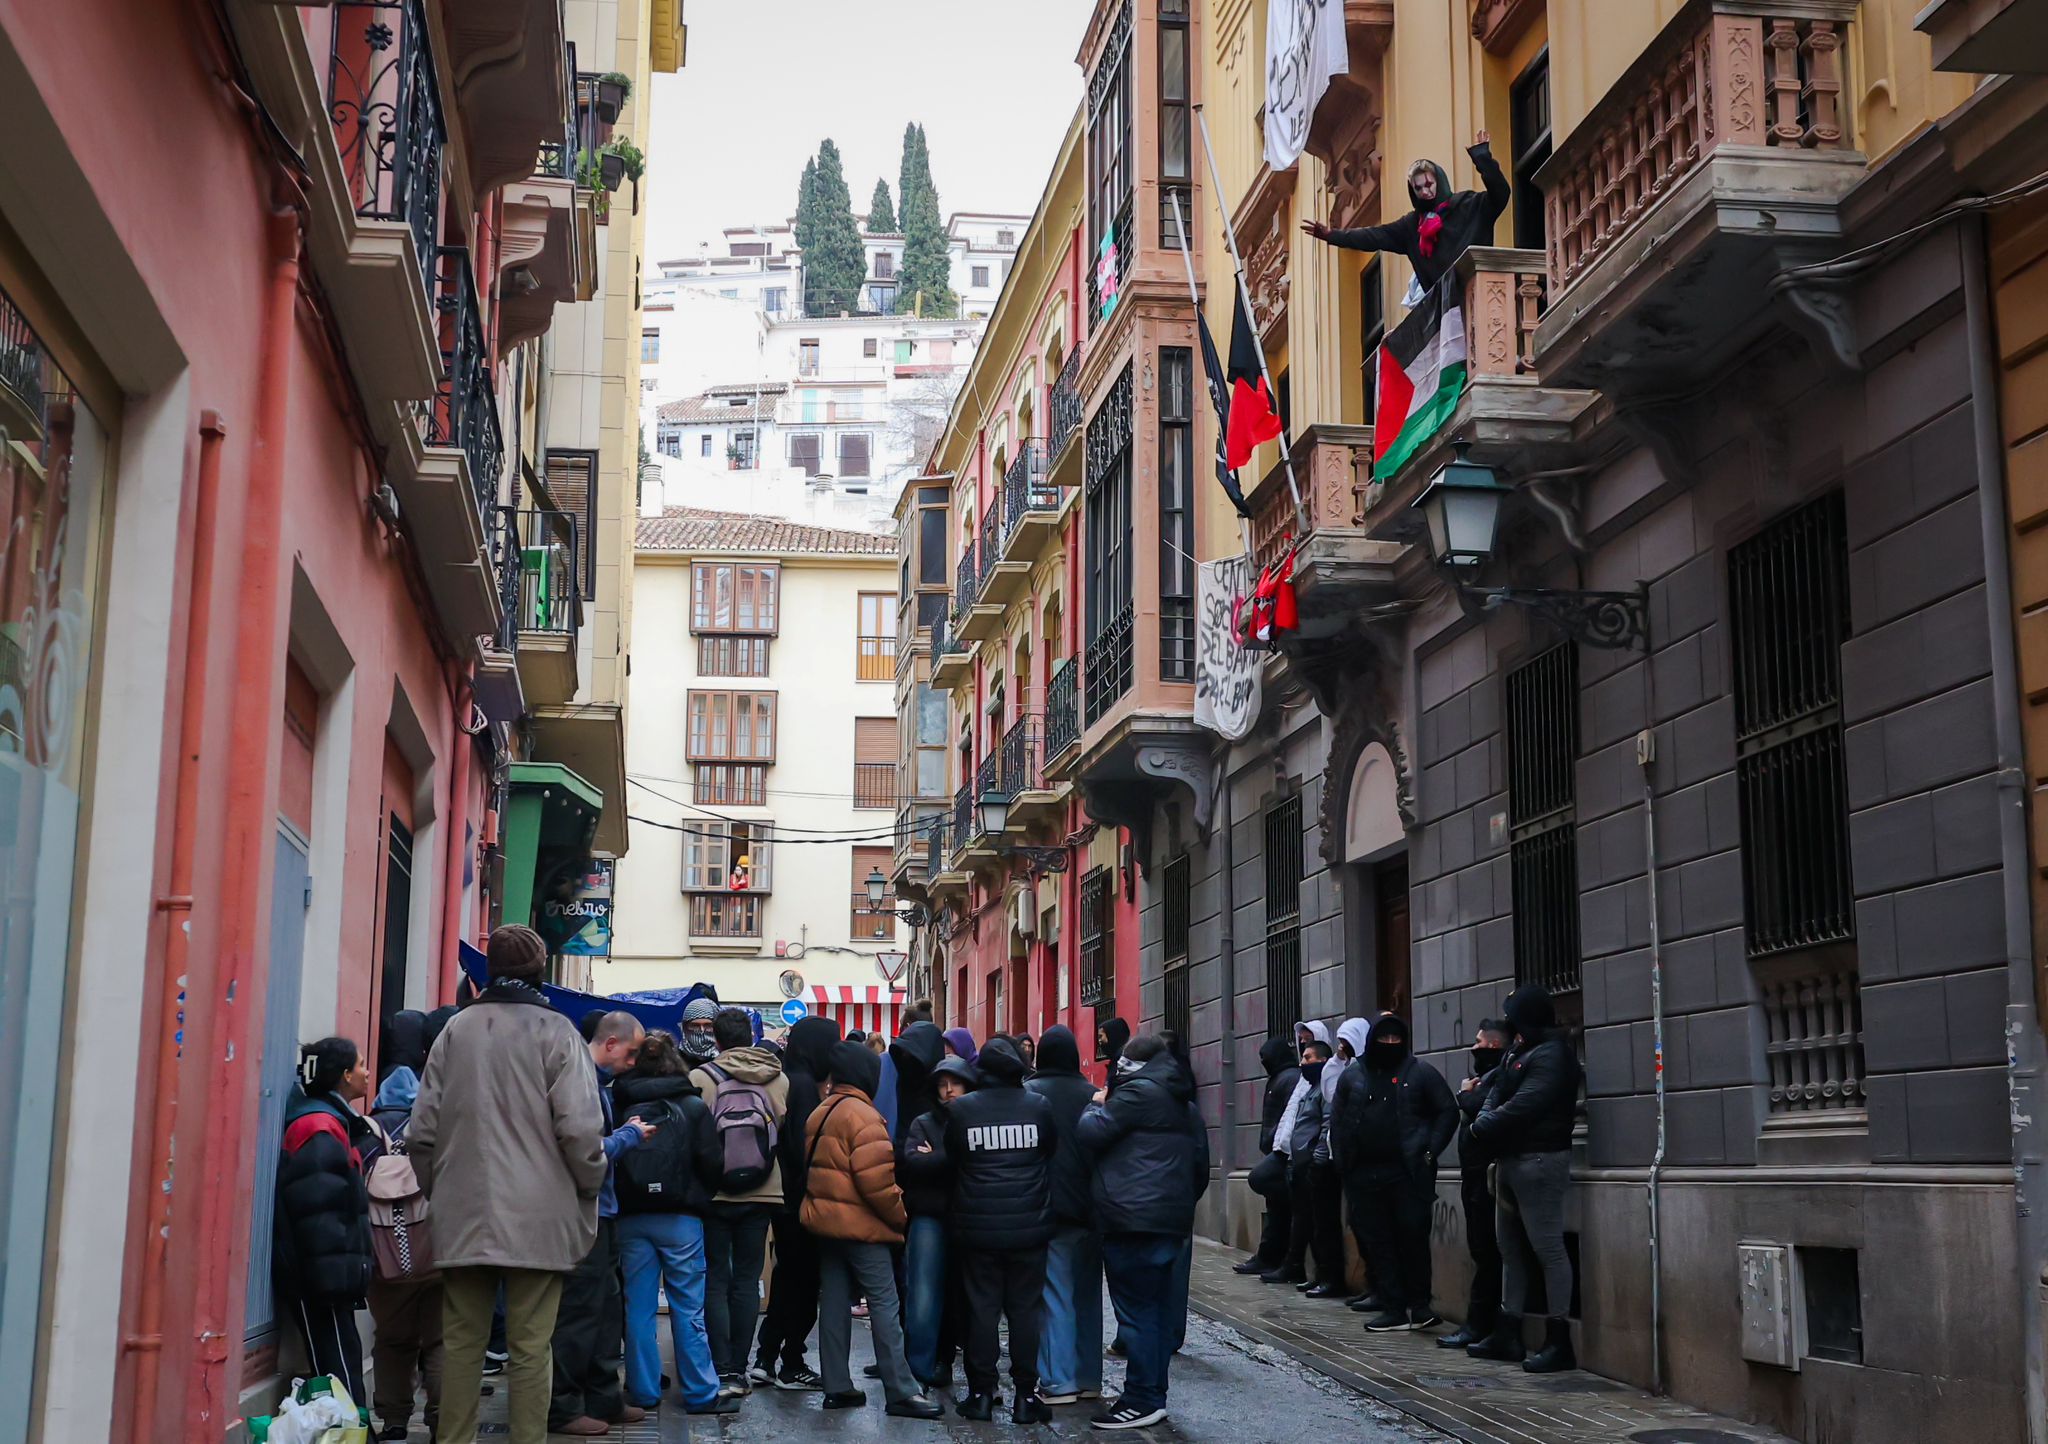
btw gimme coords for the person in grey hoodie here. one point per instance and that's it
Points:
(1317, 1225)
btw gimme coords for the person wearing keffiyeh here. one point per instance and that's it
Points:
(1442, 224)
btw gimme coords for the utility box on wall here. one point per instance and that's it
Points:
(1773, 1309)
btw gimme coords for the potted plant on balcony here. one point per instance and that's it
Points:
(632, 163)
(590, 176)
(613, 91)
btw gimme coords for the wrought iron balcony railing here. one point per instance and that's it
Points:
(384, 101)
(1022, 759)
(24, 376)
(1109, 665)
(966, 585)
(988, 778)
(1062, 709)
(963, 818)
(464, 411)
(1106, 282)
(1065, 407)
(549, 598)
(1025, 487)
(989, 547)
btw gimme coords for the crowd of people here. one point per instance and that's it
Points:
(1353, 1129)
(511, 1197)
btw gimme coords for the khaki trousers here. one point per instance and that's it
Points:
(468, 1297)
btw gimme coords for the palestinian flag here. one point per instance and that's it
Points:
(1421, 376)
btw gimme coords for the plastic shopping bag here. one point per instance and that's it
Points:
(317, 1411)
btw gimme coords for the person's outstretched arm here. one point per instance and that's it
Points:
(1393, 236)
(1497, 188)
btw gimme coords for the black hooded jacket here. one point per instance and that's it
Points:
(1116, 1032)
(1282, 1073)
(806, 1054)
(999, 1144)
(1468, 218)
(1392, 1110)
(1061, 1083)
(914, 1053)
(1151, 1151)
(921, 1168)
(1534, 1095)
(403, 1043)
(678, 1170)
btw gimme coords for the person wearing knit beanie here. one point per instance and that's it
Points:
(699, 1039)
(517, 954)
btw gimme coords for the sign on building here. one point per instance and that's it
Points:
(1226, 674)
(584, 920)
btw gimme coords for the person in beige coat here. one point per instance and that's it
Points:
(507, 1140)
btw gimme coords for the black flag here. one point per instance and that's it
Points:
(1219, 393)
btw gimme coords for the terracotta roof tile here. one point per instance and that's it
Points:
(757, 403)
(693, 529)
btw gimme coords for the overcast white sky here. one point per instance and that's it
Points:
(993, 82)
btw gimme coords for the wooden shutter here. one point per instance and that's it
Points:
(874, 739)
(866, 925)
(853, 453)
(803, 452)
(572, 486)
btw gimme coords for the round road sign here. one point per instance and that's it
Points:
(794, 1011)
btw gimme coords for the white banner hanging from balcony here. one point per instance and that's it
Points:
(1226, 673)
(1305, 47)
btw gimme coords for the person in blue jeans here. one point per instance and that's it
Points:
(664, 1186)
(1070, 1349)
(1151, 1153)
(926, 1180)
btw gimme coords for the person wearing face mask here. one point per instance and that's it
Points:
(1317, 1227)
(1441, 225)
(1482, 1309)
(699, 1040)
(1268, 1178)
(1326, 1181)
(1392, 1118)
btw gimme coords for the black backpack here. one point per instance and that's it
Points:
(655, 1177)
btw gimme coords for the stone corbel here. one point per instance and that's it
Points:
(1190, 765)
(1820, 313)
(1498, 24)
(1345, 133)
(1665, 428)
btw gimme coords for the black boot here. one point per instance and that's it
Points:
(1030, 1409)
(1475, 1328)
(1252, 1265)
(976, 1406)
(1556, 1355)
(1504, 1344)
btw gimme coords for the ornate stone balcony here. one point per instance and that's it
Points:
(1718, 159)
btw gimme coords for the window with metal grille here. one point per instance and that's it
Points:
(1788, 604)
(1174, 904)
(1283, 913)
(1543, 752)
(1098, 938)
(1176, 514)
(572, 486)
(1176, 129)
(1107, 532)
(1110, 179)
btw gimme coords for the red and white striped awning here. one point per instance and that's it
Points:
(866, 1008)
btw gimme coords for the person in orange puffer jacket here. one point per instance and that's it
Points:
(854, 1207)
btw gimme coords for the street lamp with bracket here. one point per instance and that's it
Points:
(915, 916)
(994, 809)
(1460, 510)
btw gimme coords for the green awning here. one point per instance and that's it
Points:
(550, 819)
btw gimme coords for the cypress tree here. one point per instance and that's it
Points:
(807, 205)
(881, 213)
(835, 262)
(926, 286)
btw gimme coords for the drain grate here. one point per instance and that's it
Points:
(1687, 1436)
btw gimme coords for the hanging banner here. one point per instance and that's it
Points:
(1226, 674)
(1305, 47)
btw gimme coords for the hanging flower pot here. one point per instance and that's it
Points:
(613, 88)
(612, 170)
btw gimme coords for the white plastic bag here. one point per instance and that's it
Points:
(329, 1418)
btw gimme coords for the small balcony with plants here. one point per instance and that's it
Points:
(549, 253)
(545, 611)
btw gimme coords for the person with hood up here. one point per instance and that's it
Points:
(1151, 1152)
(748, 1096)
(406, 1310)
(1475, 1191)
(1110, 1037)
(960, 1043)
(999, 1144)
(1525, 1126)
(699, 1036)
(1326, 1182)
(1315, 1224)
(508, 1133)
(1269, 1176)
(854, 1206)
(1392, 1118)
(1442, 224)
(933, 1303)
(793, 1301)
(320, 1249)
(402, 1043)
(664, 1186)
(1070, 1352)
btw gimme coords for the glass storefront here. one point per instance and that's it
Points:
(53, 466)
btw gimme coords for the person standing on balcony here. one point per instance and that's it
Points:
(1442, 225)
(1526, 1126)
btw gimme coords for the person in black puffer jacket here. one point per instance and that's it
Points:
(793, 1301)
(1391, 1119)
(933, 1303)
(664, 1186)
(1441, 225)
(1475, 1190)
(1525, 1125)
(1269, 1176)
(320, 1242)
(1070, 1353)
(1151, 1154)
(999, 1143)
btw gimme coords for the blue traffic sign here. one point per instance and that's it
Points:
(794, 1011)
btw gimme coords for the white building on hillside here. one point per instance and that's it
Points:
(761, 748)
